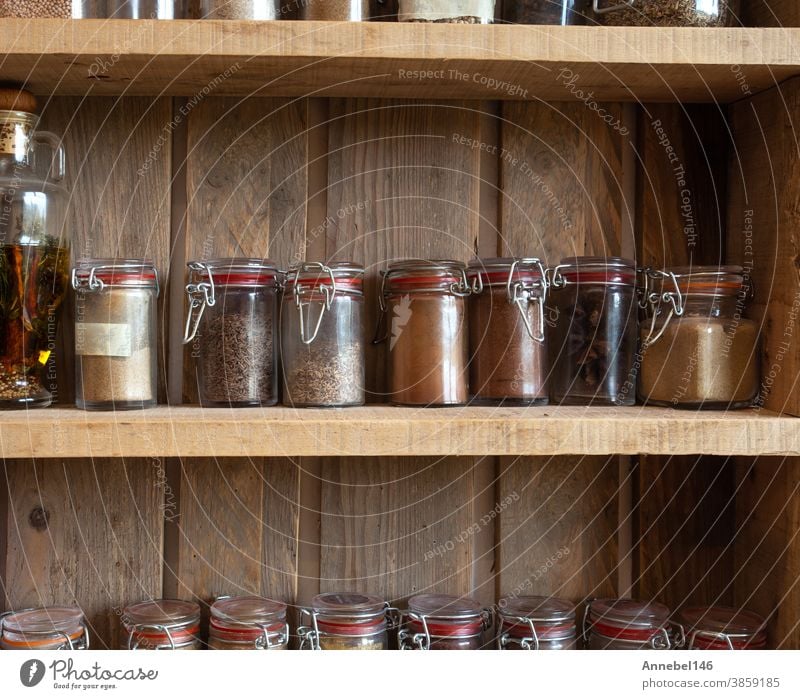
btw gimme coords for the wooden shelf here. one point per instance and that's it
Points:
(114, 57)
(188, 431)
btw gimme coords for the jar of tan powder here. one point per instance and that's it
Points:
(115, 334)
(424, 305)
(697, 349)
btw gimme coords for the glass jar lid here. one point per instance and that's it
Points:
(420, 276)
(236, 271)
(246, 611)
(704, 280)
(595, 270)
(446, 615)
(552, 618)
(347, 277)
(164, 623)
(500, 271)
(32, 628)
(723, 628)
(97, 274)
(348, 613)
(628, 619)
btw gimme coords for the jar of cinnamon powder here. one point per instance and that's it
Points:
(424, 302)
(507, 337)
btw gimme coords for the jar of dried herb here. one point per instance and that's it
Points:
(536, 623)
(323, 335)
(507, 331)
(248, 623)
(50, 628)
(697, 349)
(626, 624)
(443, 622)
(232, 326)
(345, 621)
(561, 12)
(335, 10)
(723, 628)
(115, 334)
(240, 9)
(147, 9)
(165, 624)
(453, 11)
(594, 313)
(668, 13)
(424, 304)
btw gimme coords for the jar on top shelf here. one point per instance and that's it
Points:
(346, 621)
(455, 11)
(49, 628)
(536, 623)
(162, 625)
(443, 622)
(248, 623)
(626, 624)
(723, 628)
(667, 13)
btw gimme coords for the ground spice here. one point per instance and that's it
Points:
(563, 12)
(36, 8)
(673, 13)
(335, 10)
(377, 642)
(241, 9)
(452, 11)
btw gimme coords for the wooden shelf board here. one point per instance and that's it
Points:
(380, 59)
(190, 431)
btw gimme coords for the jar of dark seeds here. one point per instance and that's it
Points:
(507, 331)
(335, 10)
(233, 307)
(323, 336)
(115, 334)
(562, 12)
(667, 13)
(593, 340)
(454, 11)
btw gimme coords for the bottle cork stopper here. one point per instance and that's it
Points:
(14, 99)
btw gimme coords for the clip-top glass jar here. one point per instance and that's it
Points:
(248, 623)
(536, 623)
(697, 349)
(338, 11)
(232, 325)
(723, 628)
(34, 257)
(115, 334)
(345, 621)
(443, 622)
(165, 624)
(593, 345)
(425, 304)
(456, 11)
(561, 12)
(322, 335)
(507, 331)
(626, 624)
(50, 628)
(667, 13)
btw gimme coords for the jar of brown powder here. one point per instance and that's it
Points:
(115, 334)
(345, 621)
(334, 10)
(232, 326)
(697, 349)
(248, 623)
(507, 331)
(424, 305)
(322, 335)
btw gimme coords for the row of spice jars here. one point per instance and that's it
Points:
(354, 621)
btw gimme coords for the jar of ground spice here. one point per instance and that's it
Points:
(723, 628)
(248, 623)
(626, 624)
(507, 331)
(424, 306)
(443, 622)
(115, 334)
(594, 311)
(697, 349)
(323, 335)
(345, 621)
(147, 9)
(50, 628)
(335, 10)
(240, 9)
(668, 13)
(162, 625)
(536, 623)
(454, 11)
(562, 12)
(232, 326)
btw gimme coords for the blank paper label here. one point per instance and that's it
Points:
(103, 339)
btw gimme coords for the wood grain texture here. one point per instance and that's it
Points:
(384, 60)
(87, 534)
(771, 13)
(767, 572)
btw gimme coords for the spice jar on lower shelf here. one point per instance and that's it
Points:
(594, 338)
(240, 9)
(667, 13)
(455, 11)
(50, 628)
(248, 623)
(335, 10)
(165, 624)
(232, 326)
(345, 621)
(115, 334)
(626, 624)
(322, 335)
(443, 622)
(424, 307)
(723, 628)
(507, 331)
(536, 623)
(697, 351)
(560, 12)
